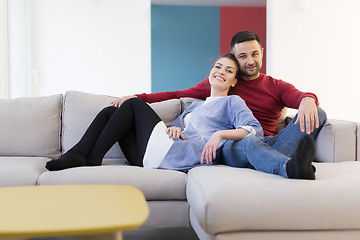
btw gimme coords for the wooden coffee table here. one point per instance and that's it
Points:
(79, 211)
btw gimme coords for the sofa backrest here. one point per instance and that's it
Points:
(48, 126)
(79, 109)
(30, 126)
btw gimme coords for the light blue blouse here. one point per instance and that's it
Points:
(225, 113)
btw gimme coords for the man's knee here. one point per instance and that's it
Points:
(322, 116)
(234, 152)
(233, 145)
(250, 139)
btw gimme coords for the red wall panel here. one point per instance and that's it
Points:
(236, 19)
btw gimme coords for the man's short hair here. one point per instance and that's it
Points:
(244, 36)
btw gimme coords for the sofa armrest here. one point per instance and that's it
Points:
(338, 141)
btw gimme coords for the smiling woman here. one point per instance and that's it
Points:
(224, 75)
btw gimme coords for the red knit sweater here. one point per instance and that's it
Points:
(265, 96)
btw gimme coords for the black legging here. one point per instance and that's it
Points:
(131, 125)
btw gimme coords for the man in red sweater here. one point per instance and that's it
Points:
(288, 153)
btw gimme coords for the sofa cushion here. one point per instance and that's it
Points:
(156, 184)
(186, 101)
(81, 108)
(337, 141)
(226, 199)
(30, 126)
(21, 171)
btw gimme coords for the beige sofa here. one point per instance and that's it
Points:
(218, 202)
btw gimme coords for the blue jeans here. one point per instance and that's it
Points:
(271, 154)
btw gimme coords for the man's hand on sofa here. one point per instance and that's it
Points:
(117, 102)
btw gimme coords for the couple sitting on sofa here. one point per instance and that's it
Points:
(199, 139)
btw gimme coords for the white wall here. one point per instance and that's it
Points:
(314, 44)
(19, 59)
(3, 82)
(95, 46)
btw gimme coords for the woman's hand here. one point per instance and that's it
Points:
(175, 133)
(209, 151)
(117, 102)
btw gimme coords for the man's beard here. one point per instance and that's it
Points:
(252, 73)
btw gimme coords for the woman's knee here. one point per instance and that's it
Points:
(108, 110)
(133, 101)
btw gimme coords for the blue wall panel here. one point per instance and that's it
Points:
(184, 43)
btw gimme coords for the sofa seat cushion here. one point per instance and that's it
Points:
(154, 183)
(226, 199)
(21, 171)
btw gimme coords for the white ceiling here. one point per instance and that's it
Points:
(252, 3)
